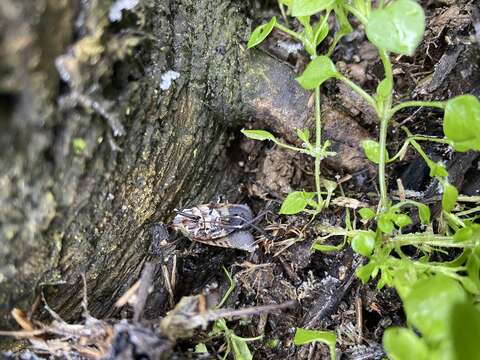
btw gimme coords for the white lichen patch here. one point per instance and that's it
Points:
(167, 79)
(115, 11)
(290, 47)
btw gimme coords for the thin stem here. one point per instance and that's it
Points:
(356, 13)
(430, 138)
(358, 90)
(468, 212)
(387, 65)
(403, 105)
(290, 147)
(289, 32)
(318, 143)
(431, 240)
(382, 181)
(384, 115)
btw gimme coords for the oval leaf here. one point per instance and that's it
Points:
(402, 220)
(309, 7)
(317, 72)
(449, 197)
(363, 243)
(461, 123)
(385, 224)
(372, 151)
(384, 88)
(401, 344)
(429, 303)
(295, 202)
(424, 213)
(398, 27)
(305, 336)
(261, 32)
(366, 213)
(258, 135)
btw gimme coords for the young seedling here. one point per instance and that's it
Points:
(305, 336)
(310, 37)
(397, 27)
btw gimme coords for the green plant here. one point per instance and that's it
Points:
(305, 336)
(312, 35)
(396, 27)
(440, 310)
(234, 343)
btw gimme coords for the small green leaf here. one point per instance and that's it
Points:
(240, 348)
(464, 330)
(467, 233)
(384, 88)
(305, 336)
(437, 169)
(79, 145)
(295, 202)
(363, 243)
(385, 224)
(429, 303)
(449, 197)
(309, 7)
(365, 272)
(320, 30)
(201, 348)
(327, 248)
(423, 213)
(304, 135)
(473, 270)
(398, 27)
(372, 151)
(258, 134)
(341, 15)
(317, 72)
(261, 32)
(367, 213)
(461, 123)
(403, 344)
(402, 220)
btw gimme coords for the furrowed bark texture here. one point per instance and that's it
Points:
(75, 88)
(65, 211)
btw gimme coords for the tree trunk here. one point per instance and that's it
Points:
(97, 149)
(71, 201)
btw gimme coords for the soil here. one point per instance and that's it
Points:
(323, 286)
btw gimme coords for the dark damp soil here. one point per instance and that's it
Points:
(326, 293)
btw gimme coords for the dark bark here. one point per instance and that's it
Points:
(63, 213)
(96, 210)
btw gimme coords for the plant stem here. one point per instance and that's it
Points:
(382, 181)
(318, 144)
(289, 32)
(357, 13)
(384, 115)
(290, 147)
(358, 90)
(387, 65)
(434, 104)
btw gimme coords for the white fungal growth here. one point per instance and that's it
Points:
(167, 79)
(115, 11)
(291, 48)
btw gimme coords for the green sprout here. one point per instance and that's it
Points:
(79, 145)
(437, 296)
(234, 344)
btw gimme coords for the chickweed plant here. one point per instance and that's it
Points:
(439, 298)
